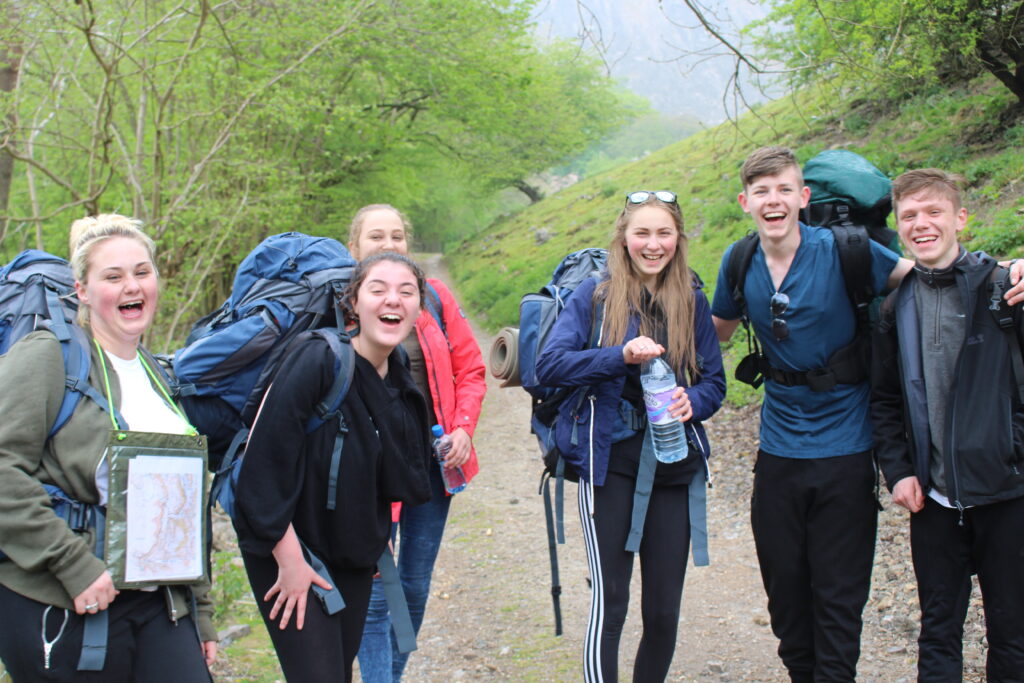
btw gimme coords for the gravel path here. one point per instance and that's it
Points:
(490, 618)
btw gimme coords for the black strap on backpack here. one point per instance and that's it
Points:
(999, 284)
(330, 405)
(751, 369)
(854, 245)
(554, 468)
(847, 365)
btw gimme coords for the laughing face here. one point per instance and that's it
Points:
(387, 304)
(774, 202)
(121, 292)
(381, 230)
(651, 238)
(929, 224)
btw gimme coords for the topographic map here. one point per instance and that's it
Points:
(164, 538)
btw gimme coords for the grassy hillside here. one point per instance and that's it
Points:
(972, 131)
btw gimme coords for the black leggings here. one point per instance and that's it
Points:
(143, 644)
(663, 554)
(326, 645)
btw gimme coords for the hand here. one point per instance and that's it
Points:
(462, 444)
(294, 579)
(907, 492)
(210, 652)
(97, 596)
(1016, 293)
(641, 349)
(681, 407)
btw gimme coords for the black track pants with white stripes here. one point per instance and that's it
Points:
(663, 555)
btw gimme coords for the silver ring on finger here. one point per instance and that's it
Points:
(91, 607)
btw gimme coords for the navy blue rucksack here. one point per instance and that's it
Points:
(37, 291)
(537, 314)
(288, 284)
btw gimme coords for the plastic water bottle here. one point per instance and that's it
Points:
(454, 479)
(659, 383)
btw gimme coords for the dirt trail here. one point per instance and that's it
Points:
(490, 619)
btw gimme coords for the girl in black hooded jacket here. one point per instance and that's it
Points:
(283, 485)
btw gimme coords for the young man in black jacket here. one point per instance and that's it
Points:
(949, 425)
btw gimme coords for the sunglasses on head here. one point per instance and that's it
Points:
(641, 196)
(778, 305)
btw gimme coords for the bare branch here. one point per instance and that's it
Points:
(228, 128)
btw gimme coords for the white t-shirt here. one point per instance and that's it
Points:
(143, 409)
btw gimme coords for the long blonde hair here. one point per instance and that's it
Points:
(623, 292)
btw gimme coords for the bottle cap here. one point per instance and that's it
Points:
(437, 431)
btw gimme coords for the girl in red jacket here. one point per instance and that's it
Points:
(449, 369)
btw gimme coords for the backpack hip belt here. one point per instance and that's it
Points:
(845, 366)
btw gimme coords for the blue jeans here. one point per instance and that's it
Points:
(419, 538)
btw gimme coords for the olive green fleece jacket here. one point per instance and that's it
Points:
(47, 561)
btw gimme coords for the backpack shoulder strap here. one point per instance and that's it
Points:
(854, 246)
(330, 405)
(887, 311)
(736, 269)
(77, 362)
(435, 307)
(999, 283)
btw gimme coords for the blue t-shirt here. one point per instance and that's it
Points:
(797, 422)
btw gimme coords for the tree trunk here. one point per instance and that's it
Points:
(1013, 79)
(10, 56)
(530, 191)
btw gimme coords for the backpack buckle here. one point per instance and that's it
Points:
(821, 379)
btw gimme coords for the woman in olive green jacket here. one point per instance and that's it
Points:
(50, 579)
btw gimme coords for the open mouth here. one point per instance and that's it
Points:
(653, 257)
(390, 319)
(925, 240)
(131, 309)
(774, 217)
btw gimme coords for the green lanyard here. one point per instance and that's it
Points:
(153, 378)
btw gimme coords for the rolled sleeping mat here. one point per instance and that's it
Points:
(504, 359)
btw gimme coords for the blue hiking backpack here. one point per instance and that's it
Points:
(289, 284)
(37, 292)
(537, 314)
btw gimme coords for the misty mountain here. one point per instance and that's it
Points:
(658, 49)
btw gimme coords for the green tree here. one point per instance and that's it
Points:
(221, 123)
(896, 45)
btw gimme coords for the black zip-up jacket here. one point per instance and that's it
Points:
(284, 476)
(984, 431)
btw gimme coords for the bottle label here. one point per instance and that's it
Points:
(657, 406)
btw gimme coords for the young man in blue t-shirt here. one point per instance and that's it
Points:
(814, 506)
